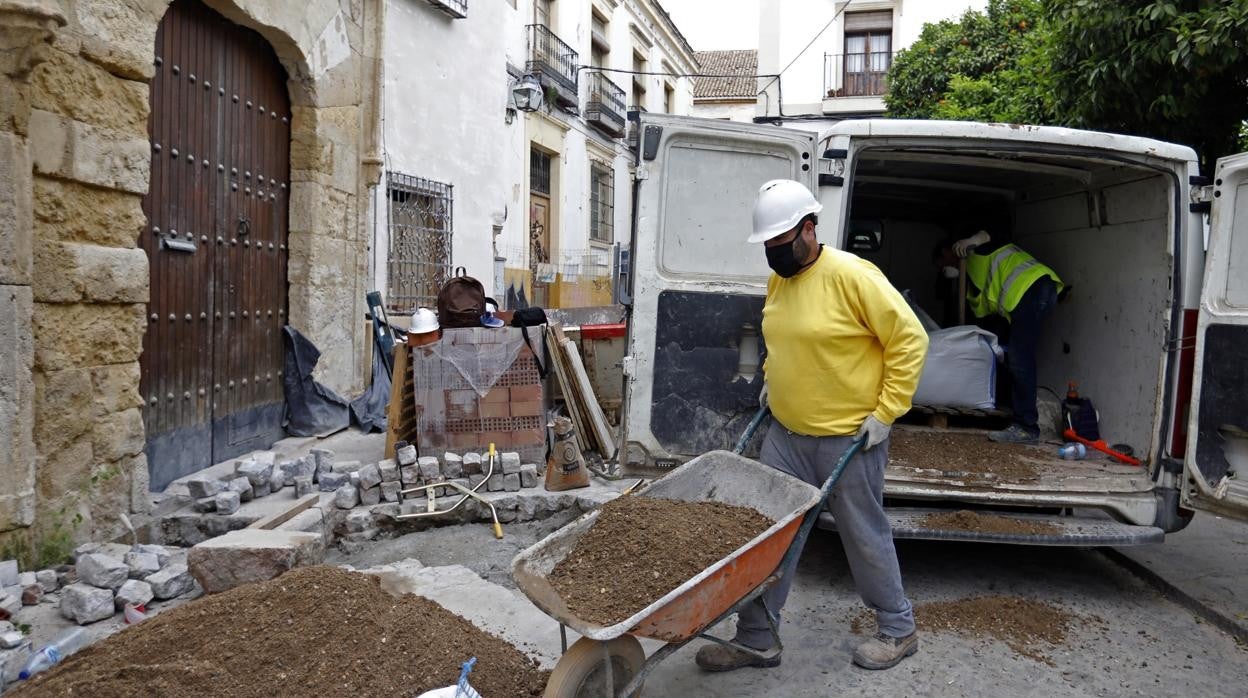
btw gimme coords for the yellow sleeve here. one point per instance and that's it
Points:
(903, 338)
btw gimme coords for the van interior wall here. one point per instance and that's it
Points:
(905, 257)
(1109, 333)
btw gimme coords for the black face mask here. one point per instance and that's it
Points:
(783, 258)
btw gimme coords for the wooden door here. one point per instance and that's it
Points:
(539, 247)
(216, 243)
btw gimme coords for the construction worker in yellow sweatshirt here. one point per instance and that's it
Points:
(844, 356)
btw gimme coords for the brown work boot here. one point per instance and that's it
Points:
(717, 657)
(884, 651)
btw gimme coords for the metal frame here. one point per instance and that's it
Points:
(633, 687)
(554, 60)
(420, 219)
(867, 82)
(601, 210)
(455, 9)
(604, 107)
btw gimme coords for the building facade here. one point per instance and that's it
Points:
(842, 74)
(531, 203)
(177, 182)
(728, 86)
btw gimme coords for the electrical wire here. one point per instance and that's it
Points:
(810, 43)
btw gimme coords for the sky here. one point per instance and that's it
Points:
(711, 25)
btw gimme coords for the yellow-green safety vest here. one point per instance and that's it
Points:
(1001, 278)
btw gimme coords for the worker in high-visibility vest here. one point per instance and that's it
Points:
(1007, 281)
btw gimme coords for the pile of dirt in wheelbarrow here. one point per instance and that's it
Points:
(976, 522)
(1026, 626)
(314, 631)
(971, 454)
(640, 548)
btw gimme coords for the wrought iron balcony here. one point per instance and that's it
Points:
(457, 9)
(554, 62)
(605, 107)
(856, 74)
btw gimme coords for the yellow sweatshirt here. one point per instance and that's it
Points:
(841, 344)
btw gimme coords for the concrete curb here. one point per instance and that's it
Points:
(1171, 592)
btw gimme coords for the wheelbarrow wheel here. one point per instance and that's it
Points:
(580, 672)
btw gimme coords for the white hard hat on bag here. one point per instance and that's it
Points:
(779, 206)
(424, 320)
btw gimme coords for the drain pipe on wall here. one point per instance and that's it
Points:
(374, 158)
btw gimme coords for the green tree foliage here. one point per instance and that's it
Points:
(1172, 70)
(987, 66)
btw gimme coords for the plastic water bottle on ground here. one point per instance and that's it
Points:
(69, 642)
(1073, 451)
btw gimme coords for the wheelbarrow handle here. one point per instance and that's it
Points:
(799, 541)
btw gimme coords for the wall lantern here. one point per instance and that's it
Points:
(526, 94)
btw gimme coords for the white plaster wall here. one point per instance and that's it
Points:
(446, 91)
(743, 112)
(785, 27)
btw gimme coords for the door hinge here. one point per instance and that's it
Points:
(1202, 199)
(641, 173)
(628, 365)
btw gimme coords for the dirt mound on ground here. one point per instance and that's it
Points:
(314, 631)
(956, 454)
(640, 548)
(1026, 626)
(976, 522)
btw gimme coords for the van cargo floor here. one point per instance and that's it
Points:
(967, 459)
(1019, 529)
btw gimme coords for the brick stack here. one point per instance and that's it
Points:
(453, 416)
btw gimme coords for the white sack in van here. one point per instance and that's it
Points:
(961, 369)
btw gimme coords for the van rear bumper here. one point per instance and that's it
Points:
(1137, 508)
(1051, 530)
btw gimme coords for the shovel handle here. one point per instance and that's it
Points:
(1100, 446)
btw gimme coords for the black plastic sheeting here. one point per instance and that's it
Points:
(368, 411)
(311, 408)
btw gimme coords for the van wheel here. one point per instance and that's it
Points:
(1170, 517)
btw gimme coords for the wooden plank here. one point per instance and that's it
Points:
(400, 387)
(298, 507)
(597, 419)
(555, 333)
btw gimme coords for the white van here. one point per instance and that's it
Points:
(1158, 290)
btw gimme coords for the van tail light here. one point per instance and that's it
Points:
(1183, 397)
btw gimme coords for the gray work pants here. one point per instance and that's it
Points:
(857, 504)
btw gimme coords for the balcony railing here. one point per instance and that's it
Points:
(554, 62)
(457, 9)
(856, 74)
(605, 106)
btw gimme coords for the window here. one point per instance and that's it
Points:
(868, 52)
(669, 98)
(539, 172)
(639, 81)
(542, 12)
(419, 261)
(601, 203)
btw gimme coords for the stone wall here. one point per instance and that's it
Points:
(74, 167)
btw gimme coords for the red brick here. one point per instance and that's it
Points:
(463, 440)
(495, 409)
(498, 438)
(526, 393)
(526, 409)
(497, 395)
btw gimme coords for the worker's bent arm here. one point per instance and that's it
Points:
(902, 336)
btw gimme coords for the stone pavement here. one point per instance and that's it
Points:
(1207, 563)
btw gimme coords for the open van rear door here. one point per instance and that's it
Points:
(693, 374)
(1216, 468)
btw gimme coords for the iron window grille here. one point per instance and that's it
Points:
(601, 204)
(457, 9)
(420, 217)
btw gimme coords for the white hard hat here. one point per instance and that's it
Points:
(424, 320)
(780, 204)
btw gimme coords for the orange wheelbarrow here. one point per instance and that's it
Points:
(610, 661)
